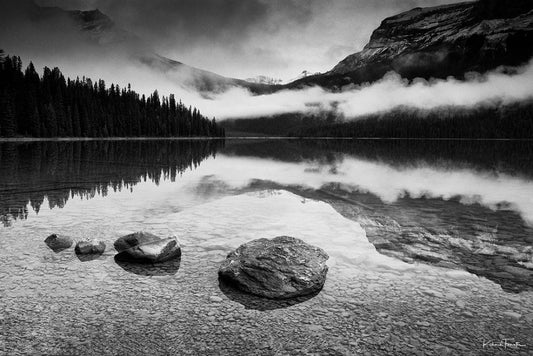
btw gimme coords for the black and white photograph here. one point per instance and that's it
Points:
(266, 177)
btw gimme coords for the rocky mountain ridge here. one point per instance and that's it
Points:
(433, 42)
(437, 42)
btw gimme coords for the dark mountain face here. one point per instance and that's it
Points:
(438, 42)
(499, 9)
(92, 20)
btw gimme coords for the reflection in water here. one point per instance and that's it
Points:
(251, 301)
(88, 257)
(167, 268)
(447, 233)
(492, 157)
(31, 172)
(456, 204)
(462, 205)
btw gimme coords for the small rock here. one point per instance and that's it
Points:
(89, 247)
(328, 297)
(315, 327)
(460, 303)
(215, 299)
(432, 293)
(58, 242)
(512, 314)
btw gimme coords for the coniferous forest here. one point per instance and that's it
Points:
(509, 121)
(491, 121)
(52, 106)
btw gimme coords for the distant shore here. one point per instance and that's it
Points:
(36, 139)
(201, 138)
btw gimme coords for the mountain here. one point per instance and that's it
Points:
(304, 74)
(102, 30)
(437, 42)
(99, 27)
(263, 79)
(198, 79)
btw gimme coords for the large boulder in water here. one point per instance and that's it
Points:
(58, 242)
(144, 248)
(132, 240)
(283, 267)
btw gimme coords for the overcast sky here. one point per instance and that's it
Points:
(246, 38)
(241, 39)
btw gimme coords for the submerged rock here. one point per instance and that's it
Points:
(94, 247)
(166, 268)
(283, 267)
(145, 247)
(138, 238)
(58, 243)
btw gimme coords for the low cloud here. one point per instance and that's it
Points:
(388, 93)
(60, 43)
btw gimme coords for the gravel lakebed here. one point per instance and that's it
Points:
(55, 304)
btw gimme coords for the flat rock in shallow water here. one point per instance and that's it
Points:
(138, 238)
(283, 267)
(155, 251)
(89, 247)
(58, 243)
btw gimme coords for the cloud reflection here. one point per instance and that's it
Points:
(387, 182)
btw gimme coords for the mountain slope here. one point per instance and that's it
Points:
(100, 29)
(438, 42)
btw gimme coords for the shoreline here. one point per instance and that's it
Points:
(236, 138)
(61, 139)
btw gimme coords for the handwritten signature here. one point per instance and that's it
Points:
(505, 343)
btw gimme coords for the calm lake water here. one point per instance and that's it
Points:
(430, 245)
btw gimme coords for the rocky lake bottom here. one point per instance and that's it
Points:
(424, 297)
(370, 304)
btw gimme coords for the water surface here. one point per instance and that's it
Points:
(430, 246)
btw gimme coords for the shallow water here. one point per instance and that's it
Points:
(430, 246)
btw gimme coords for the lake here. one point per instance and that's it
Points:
(430, 245)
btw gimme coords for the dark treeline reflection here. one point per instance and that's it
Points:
(498, 121)
(31, 172)
(506, 156)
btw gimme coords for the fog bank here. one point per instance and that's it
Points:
(390, 92)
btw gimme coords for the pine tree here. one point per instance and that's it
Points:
(51, 106)
(50, 120)
(35, 123)
(7, 116)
